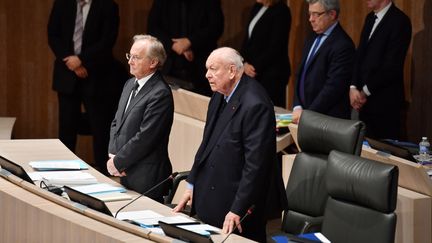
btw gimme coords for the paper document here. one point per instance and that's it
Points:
(112, 196)
(142, 214)
(64, 177)
(99, 188)
(203, 229)
(58, 165)
(178, 220)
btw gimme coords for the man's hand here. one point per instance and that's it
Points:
(249, 70)
(81, 72)
(72, 62)
(231, 220)
(180, 45)
(112, 170)
(296, 115)
(186, 199)
(357, 98)
(189, 55)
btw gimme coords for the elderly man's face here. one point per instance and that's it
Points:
(140, 65)
(219, 74)
(319, 18)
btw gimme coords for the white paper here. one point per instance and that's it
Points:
(57, 164)
(142, 214)
(99, 188)
(64, 177)
(203, 229)
(169, 220)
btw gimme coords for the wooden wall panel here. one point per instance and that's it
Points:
(26, 60)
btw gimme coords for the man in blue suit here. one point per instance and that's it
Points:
(326, 68)
(377, 88)
(233, 165)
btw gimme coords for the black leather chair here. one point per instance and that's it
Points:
(362, 200)
(318, 134)
(176, 181)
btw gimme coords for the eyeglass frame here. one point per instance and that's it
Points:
(317, 14)
(131, 57)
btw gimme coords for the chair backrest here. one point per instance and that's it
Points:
(320, 133)
(362, 200)
(306, 193)
(176, 181)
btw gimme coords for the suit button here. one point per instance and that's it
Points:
(212, 188)
(217, 146)
(212, 166)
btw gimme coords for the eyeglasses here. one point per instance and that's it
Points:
(316, 14)
(130, 57)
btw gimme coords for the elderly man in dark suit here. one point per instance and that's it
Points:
(232, 167)
(377, 88)
(326, 68)
(82, 34)
(140, 130)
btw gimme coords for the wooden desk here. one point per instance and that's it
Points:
(6, 127)
(32, 214)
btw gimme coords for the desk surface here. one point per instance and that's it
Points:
(55, 209)
(6, 126)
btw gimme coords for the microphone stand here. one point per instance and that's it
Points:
(248, 212)
(149, 190)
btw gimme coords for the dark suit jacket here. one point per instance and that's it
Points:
(267, 48)
(328, 75)
(232, 167)
(380, 62)
(100, 33)
(139, 136)
(204, 27)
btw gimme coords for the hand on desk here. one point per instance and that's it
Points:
(231, 220)
(112, 170)
(186, 199)
(296, 115)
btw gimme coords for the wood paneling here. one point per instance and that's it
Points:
(26, 60)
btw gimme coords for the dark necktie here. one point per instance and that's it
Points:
(135, 90)
(305, 67)
(79, 27)
(374, 19)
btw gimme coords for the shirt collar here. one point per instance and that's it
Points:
(383, 11)
(227, 98)
(143, 80)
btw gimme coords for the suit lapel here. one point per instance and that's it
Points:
(213, 135)
(381, 23)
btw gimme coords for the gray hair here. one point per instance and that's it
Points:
(327, 4)
(156, 49)
(231, 56)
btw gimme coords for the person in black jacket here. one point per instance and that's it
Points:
(377, 88)
(189, 30)
(265, 47)
(81, 35)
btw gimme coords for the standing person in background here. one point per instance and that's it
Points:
(265, 47)
(234, 164)
(377, 87)
(189, 30)
(141, 127)
(326, 68)
(82, 34)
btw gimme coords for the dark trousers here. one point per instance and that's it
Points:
(100, 113)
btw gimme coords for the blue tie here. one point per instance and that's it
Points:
(305, 67)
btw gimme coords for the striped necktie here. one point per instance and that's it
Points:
(79, 27)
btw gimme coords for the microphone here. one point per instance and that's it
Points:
(171, 177)
(248, 212)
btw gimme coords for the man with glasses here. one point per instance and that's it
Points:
(326, 67)
(138, 147)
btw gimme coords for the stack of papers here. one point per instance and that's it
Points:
(61, 178)
(149, 218)
(48, 165)
(104, 192)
